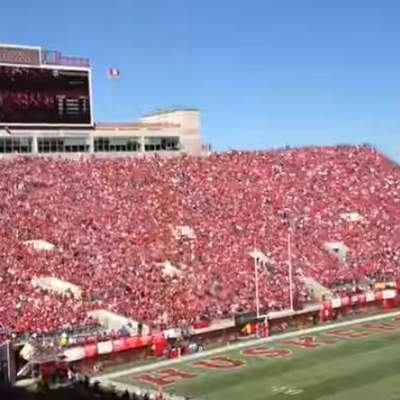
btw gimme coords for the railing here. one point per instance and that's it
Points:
(56, 58)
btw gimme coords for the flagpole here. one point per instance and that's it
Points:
(112, 74)
(110, 95)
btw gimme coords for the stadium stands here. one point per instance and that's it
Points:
(79, 390)
(114, 223)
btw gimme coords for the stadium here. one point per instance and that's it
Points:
(134, 255)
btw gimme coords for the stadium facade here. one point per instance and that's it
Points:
(46, 109)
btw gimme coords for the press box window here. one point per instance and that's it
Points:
(75, 145)
(119, 144)
(161, 144)
(15, 145)
(62, 145)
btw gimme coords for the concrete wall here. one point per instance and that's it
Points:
(189, 127)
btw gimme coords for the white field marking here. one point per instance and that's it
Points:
(289, 391)
(237, 346)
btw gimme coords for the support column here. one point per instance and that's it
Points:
(142, 142)
(90, 141)
(35, 149)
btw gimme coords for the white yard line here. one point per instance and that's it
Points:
(105, 378)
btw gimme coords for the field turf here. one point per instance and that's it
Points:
(360, 362)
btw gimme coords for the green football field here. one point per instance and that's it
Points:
(360, 361)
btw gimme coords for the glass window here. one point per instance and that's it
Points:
(101, 144)
(170, 143)
(62, 145)
(161, 144)
(25, 145)
(15, 145)
(8, 146)
(152, 143)
(76, 145)
(116, 144)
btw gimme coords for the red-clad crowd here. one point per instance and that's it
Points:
(114, 221)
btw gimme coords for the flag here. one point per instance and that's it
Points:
(113, 73)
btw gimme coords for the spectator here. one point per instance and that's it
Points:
(113, 224)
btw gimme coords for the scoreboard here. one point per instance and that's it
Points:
(19, 55)
(34, 94)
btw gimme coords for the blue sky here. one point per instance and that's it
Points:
(264, 73)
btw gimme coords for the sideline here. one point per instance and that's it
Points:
(105, 378)
(139, 390)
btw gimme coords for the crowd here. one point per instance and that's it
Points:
(114, 222)
(80, 390)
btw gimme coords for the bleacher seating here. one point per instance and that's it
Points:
(113, 222)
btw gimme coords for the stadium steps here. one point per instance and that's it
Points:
(316, 288)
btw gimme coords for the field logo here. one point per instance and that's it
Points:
(165, 377)
(266, 352)
(380, 326)
(305, 342)
(347, 334)
(220, 362)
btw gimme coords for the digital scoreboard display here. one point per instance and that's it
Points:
(19, 55)
(44, 96)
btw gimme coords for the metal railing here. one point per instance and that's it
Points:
(50, 57)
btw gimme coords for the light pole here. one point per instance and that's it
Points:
(256, 281)
(191, 249)
(290, 267)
